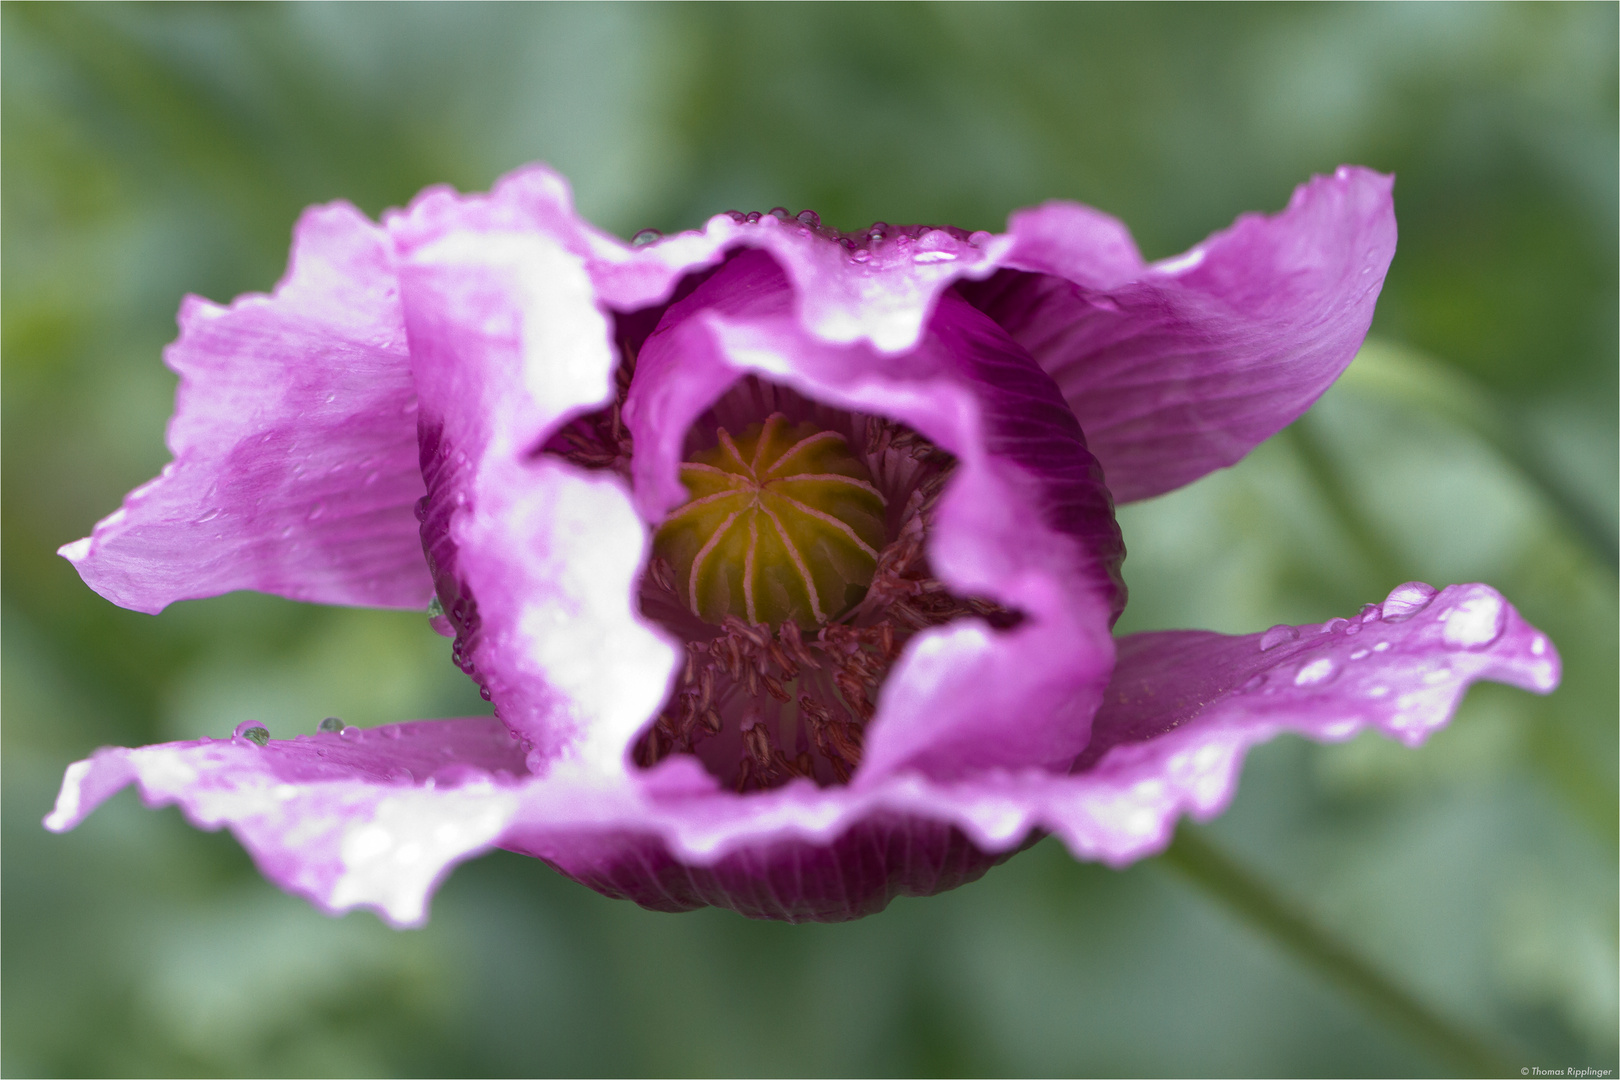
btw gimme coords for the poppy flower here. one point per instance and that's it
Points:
(786, 556)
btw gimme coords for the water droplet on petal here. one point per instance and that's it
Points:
(645, 237)
(1405, 601)
(399, 774)
(861, 255)
(1254, 683)
(253, 731)
(483, 692)
(1280, 634)
(1382, 646)
(1370, 613)
(1476, 622)
(331, 724)
(810, 218)
(1360, 654)
(351, 733)
(1316, 672)
(1333, 626)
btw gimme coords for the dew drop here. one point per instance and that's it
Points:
(1382, 646)
(331, 724)
(810, 218)
(253, 731)
(1360, 654)
(399, 774)
(483, 692)
(1370, 613)
(1280, 634)
(1405, 601)
(1254, 683)
(1476, 622)
(645, 237)
(1316, 672)
(1333, 626)
(861, 255)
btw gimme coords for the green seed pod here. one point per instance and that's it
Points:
(783, 525)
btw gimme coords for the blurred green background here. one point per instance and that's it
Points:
(151, 151)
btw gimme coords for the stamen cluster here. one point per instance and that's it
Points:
(763, 703)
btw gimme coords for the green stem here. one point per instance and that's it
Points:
(1194, 856)
(1330, 482)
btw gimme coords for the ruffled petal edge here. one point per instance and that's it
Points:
(295, 465)
(380, 826)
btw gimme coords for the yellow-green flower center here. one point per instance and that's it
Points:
(783, 525)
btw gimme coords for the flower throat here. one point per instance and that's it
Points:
(794, 574)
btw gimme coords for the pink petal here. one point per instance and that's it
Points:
(1184, 706)
(535, 560)
(294, 438)
(369, 818)
(881, 292)
(374, 818)
(1183, 367)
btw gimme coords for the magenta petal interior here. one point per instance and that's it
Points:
(1026, 521)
